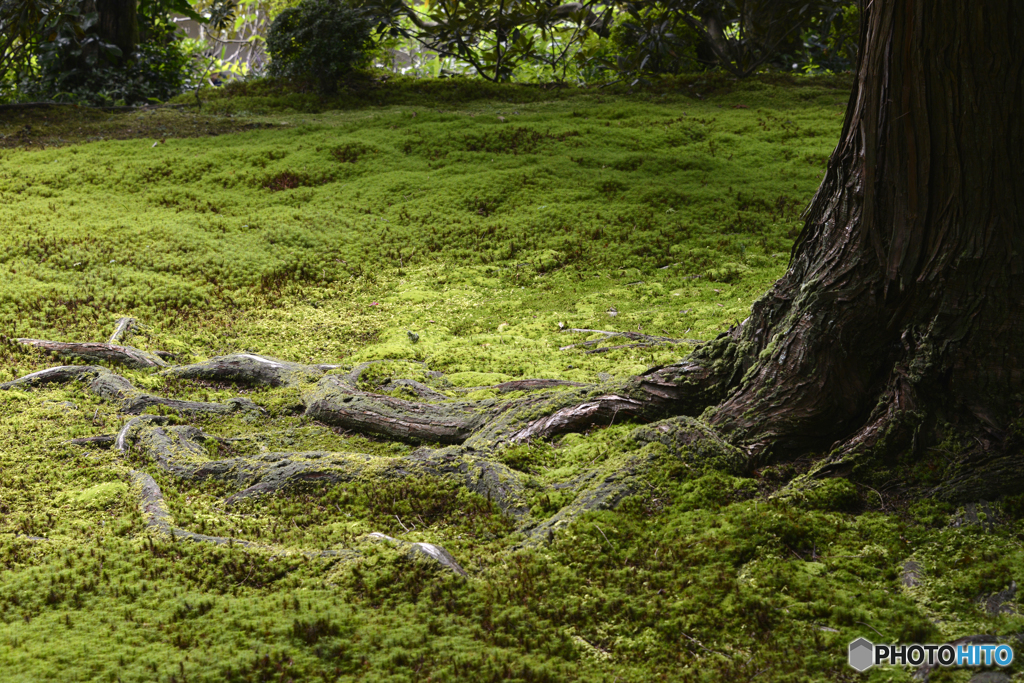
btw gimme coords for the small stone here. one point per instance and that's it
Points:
(613, 311)
(1001, 602)
(426, 550)
(911, 574)
(990, 677)
(413, 337)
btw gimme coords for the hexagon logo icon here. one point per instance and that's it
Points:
(862, 654)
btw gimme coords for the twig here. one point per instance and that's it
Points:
(697, 642)
(623, 346)
(870, 627)
(643, 339)
(402, 525)
(881, 500)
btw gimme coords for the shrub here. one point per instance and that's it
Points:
(84, 70)
(319, 39)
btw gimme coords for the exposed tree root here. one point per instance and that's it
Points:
(112, 353)
(469, 433)
(418, 388)
(159, 520)
(140, 403)
(58, 375)
(183, 452)
(353, 377)
(248, 368)
(534, 385)
(114, 387)
(644, 340)
(100, 441)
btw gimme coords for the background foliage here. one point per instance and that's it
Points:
(321, 40)
(50, 50)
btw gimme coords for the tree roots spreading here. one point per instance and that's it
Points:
(459, 440)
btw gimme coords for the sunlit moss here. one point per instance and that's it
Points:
(328, 232)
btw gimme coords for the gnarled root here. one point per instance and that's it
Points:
(469, 432)
(158, 518)
(114, 387)
(685, 389)
(112, 353)
(182, 451)
(249, 368)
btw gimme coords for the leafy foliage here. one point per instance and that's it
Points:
(77, 66)
(596, 40)
(654, 38)
(742, 35)
(319, 40)
(24, 24)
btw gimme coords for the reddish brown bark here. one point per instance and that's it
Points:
(902, 306)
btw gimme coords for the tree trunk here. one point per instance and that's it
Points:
(899, 321)
(118, 24)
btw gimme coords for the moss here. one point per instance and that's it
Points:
(664, 564)
(693, 442)
(101, 496)
(830, 494)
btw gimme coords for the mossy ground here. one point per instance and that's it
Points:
(479, 218)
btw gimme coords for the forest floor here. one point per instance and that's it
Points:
(469, 236)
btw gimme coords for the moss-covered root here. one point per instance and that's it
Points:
(682, 439)
(554, 407)
(335, 401)
(114, 387)
(183, 452)
(62, 374)
(248, 368)
(601, 410)
(127, 356)
(158, 519)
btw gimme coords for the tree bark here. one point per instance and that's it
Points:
(900, 317)
(118, 24)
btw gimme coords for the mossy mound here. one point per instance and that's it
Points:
(694, 443)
